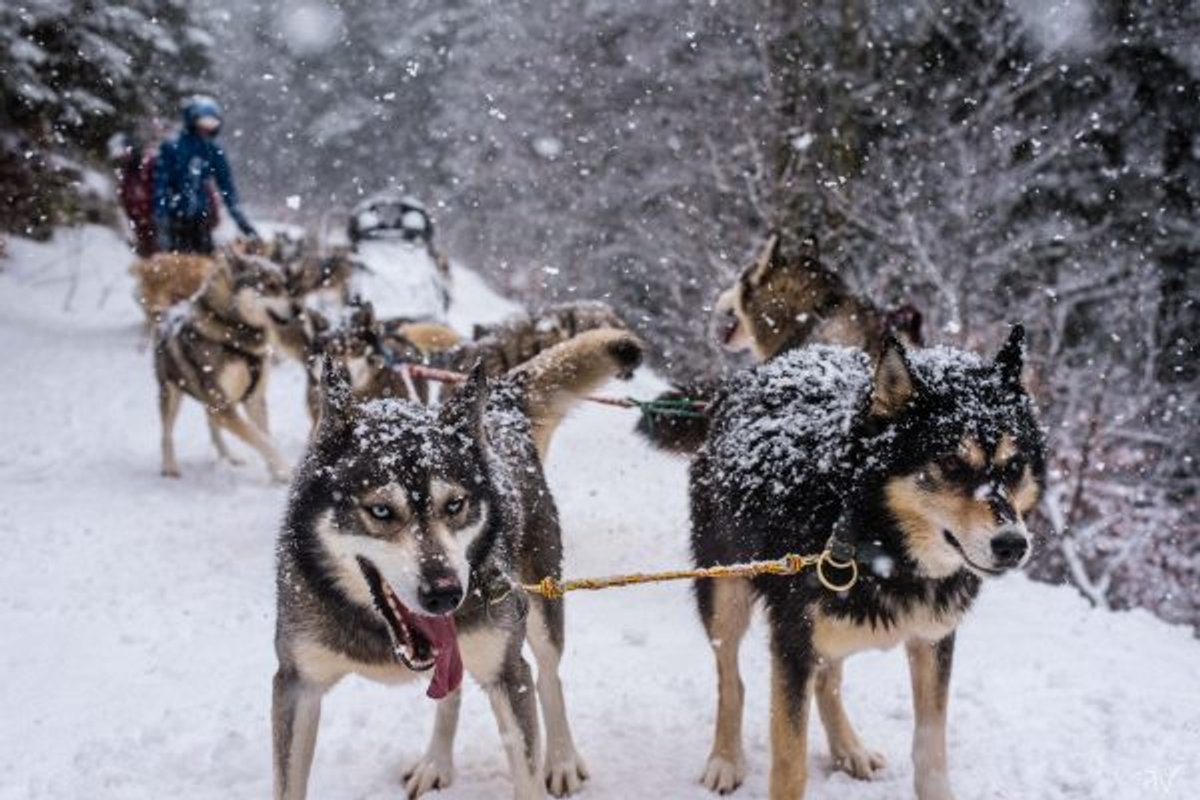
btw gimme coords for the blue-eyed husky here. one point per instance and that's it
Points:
(405, 530)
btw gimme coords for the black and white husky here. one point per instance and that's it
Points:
(405, 532)
(924, 470)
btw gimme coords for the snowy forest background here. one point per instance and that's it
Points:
(987, 161)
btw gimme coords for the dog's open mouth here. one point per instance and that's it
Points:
(419, 642)
(953, 542)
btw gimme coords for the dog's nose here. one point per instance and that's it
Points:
(1009, 548)
(440, 596)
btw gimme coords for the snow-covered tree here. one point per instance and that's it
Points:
(71, 75)
(1001, 178)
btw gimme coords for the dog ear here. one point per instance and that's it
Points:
(366, 314)
(464, 411)
(894, 385)
(337, 396)
(1010, 361)
(236, 260)
(320, 322)
(769, 259)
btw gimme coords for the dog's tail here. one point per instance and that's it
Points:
(676, 428)
(559, 377)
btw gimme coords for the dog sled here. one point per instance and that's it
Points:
(401, 272)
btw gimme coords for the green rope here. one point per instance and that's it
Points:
(675, 407)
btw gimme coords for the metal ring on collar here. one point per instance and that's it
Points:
(850, 564)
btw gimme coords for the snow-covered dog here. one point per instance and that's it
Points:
(405, 531)
(214, 349)
(924, 472)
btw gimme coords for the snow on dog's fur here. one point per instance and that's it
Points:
(406, 529)
(926, 468)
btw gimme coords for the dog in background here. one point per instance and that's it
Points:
(923, 468)
(515, 340)
(165, 279)
(405, 530)
(781, 302)
(372, 351)
(322, 281)
(214, 349)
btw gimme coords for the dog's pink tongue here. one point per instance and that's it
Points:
(447, 663)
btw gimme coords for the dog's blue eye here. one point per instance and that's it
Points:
(380, 512)
(455, 505)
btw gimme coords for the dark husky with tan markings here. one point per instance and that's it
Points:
(924, 467)
(405, 531)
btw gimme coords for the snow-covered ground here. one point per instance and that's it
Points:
(136, 613)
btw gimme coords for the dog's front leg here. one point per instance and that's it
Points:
(792, 667)
(929, 665)
(564, 768)
(726, 607)
(848, 752)
(435, 770)
(515, 705)
(295, 715)
(493, 657)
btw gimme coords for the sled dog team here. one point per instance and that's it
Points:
(409, 523)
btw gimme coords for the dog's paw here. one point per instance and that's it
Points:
(431, 772)
(722, 775)
(565, 775)
(171, 472)
(858, 761)
(233, 461)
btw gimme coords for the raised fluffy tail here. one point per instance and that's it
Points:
(679, 434)
(558, 378)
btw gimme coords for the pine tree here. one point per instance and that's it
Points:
(73, 74)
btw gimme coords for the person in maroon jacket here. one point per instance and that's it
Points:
(135, 191)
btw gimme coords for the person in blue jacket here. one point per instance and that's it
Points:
(184, 209)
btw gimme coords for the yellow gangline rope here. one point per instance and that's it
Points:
(790, 564)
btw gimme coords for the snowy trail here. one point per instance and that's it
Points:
(136, 613)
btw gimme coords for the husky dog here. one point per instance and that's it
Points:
(214, 348)
(521, 337)
(165, 279)
(372, 351)
(322, 281)
(923, 473)
(780, 303)
(430, 338)
(561, 321)
(405, 529)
